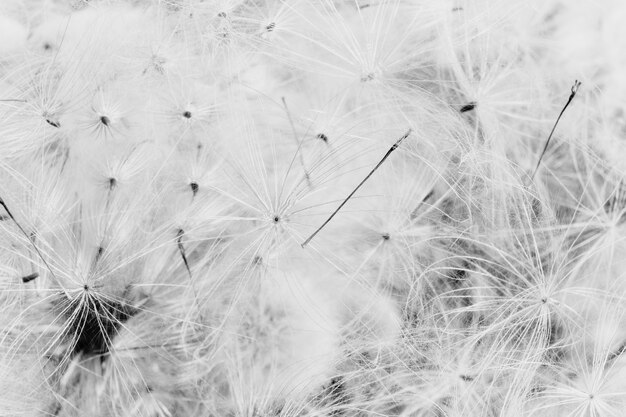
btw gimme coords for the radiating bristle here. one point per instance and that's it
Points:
(164, 164)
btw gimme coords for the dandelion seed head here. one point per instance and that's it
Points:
(161, 164)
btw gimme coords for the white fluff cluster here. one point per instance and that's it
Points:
(166, 166)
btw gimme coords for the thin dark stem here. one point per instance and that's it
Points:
(295, 136)
(421, 203)
(384, 158)
(3, 204)
(99, 253)
(183, 254)
(574, 90)
(181, 249)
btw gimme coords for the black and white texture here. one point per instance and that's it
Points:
(312, 208)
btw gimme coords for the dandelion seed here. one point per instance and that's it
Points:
(465, 270)
(428, 196)
(384, 158)
(194, 187)
(183, 254)
(574, 90)
(468, 107)
(99, 253)
(30, 277)
(323, 137)
(181, 249)
(53, 123)
(31, 240)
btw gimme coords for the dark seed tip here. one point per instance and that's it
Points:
(194, 187)
(53, 123)
(30, 277)
(468, 107)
